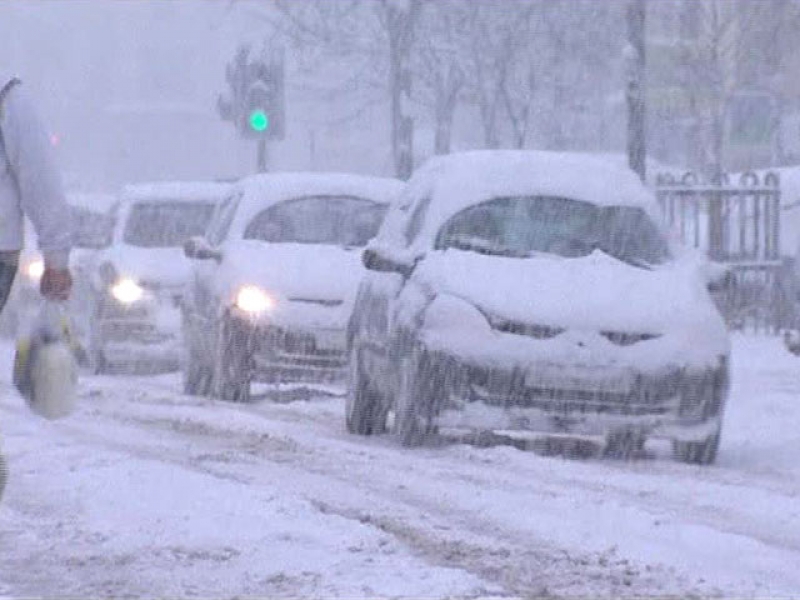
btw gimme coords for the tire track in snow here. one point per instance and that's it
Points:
(525, 570)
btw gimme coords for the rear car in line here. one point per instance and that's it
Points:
(137, 283)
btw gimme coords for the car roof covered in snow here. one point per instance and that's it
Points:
(457, 181)
(176, 191)
(264, 190)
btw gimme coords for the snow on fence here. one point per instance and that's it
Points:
(737, 224)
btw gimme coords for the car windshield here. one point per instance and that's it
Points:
(166, 224)
(524, 226)
(91, 229)
(331, 220)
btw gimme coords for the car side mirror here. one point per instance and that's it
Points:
(375, 260)
(199, 248)
(720, 279)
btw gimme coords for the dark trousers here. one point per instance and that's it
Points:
(8, 271)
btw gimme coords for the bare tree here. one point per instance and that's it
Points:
(439, 64)
(723, 36)
(400, 18)
(376, 38)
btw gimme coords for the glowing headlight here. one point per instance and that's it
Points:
(35, 269)
(127, 291)
(252, 299)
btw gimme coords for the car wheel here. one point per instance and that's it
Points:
(96, 351)
(3, 474)
(232, 371)
(417, 398)
(196, 376)
(625, 445)
(365, 410)
(709, 394)
(697, 453)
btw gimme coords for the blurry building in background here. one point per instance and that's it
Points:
(128, 89)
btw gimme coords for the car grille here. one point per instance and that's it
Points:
(541, 332)
(510, 389)
(318, 301)
(621, 338)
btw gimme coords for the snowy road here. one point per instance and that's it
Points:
(145, 492)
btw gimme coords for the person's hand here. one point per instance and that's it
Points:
(56, 284)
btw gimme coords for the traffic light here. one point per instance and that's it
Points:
(263, 114)
(254, 103)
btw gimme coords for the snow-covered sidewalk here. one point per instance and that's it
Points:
(145, 492)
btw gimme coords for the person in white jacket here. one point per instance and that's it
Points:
(30, 186)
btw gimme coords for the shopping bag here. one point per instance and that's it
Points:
(45, 367)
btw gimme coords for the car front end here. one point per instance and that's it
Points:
(595, 362)
(137, 321)
(291, 337)
(583, 384)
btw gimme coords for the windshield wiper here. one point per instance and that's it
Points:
(481, 248)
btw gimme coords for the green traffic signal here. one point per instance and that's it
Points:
(259, 121)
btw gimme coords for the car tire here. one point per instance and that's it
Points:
(417, 398)
(196, 377)
(624, 445)
(232, 369)
(365, 410)
(697, 453)
(96, 352)
(3, 474)
(712, 392)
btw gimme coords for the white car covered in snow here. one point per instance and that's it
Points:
(275, 279)
(523, 293)
(137, 283)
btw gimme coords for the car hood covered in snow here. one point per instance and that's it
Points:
(156, 267)
(297, 273)
(596, 292)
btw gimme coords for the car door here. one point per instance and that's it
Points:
(377, 306)
(202, 305)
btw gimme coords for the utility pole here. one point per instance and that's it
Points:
(635, 87)
(261, 162)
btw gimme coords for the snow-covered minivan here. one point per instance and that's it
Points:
(524, 293)
(275, 279)
(136, 284)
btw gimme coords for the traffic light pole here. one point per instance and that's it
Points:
(261, 160)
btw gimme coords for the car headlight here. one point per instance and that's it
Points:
(127, 291)
(254, 300)
(35, 269)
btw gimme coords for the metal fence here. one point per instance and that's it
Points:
(737, 224)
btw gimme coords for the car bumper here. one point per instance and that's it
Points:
(282, 353)
(547, 398)
(133, 335)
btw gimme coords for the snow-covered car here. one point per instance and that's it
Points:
(533, 293)
(275, 279)
(137, 283)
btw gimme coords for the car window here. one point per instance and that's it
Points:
(90, 229)
(332, 220)
(166, 224)
(522, 226)
(221, 222)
